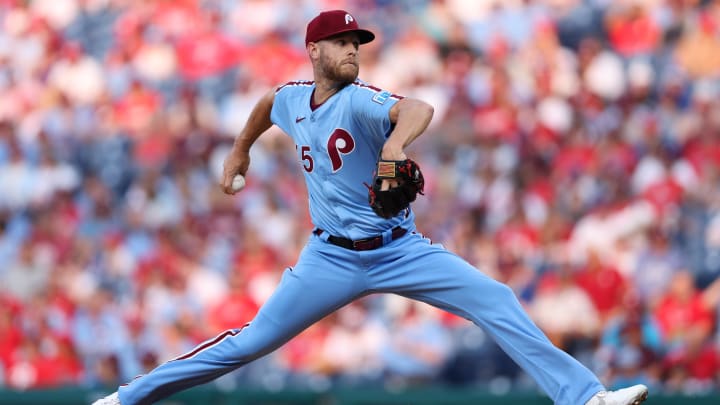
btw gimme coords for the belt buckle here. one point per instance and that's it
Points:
(365, 244)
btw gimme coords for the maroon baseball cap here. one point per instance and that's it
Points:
(329, 23)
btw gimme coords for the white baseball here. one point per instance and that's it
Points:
(238, 182)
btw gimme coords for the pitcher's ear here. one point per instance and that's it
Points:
(312, 49)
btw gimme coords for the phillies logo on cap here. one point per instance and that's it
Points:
(334, 22)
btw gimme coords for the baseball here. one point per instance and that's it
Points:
(238, 182)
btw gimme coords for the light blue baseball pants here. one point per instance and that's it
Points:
(328, 277)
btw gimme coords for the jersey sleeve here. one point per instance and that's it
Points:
(279, 115)
(371, 107)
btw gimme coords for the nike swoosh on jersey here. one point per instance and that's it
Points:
(298, 119)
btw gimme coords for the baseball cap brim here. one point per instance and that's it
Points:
(364, 36)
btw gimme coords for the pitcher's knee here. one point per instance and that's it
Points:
(504, 292)
(496, 293)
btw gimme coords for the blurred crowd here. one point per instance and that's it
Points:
(574, 155)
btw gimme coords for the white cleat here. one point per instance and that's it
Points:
(111, 399)
(627, 396)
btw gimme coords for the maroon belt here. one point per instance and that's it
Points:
(362, 244)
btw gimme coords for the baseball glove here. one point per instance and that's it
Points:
(388, 203)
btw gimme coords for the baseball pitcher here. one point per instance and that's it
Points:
(350, 139)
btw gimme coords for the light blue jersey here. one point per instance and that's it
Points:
(334, 142)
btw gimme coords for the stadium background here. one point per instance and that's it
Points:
(574, 154)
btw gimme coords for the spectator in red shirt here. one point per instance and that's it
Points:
(253, 256)
(693, 368)
(632, 30)
(273, 60)
(563, 310)
(604, 284)
(236, 308)
(684, 312)
(302, 356)
(497, 118)
(206, 51)
(59, 366)
(134, 112)
(576, 157)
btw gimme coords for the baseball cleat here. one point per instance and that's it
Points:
(627, 396)
(111, 399)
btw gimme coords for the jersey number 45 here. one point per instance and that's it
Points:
(339, 143)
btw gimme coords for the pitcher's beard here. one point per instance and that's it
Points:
(344, 74)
